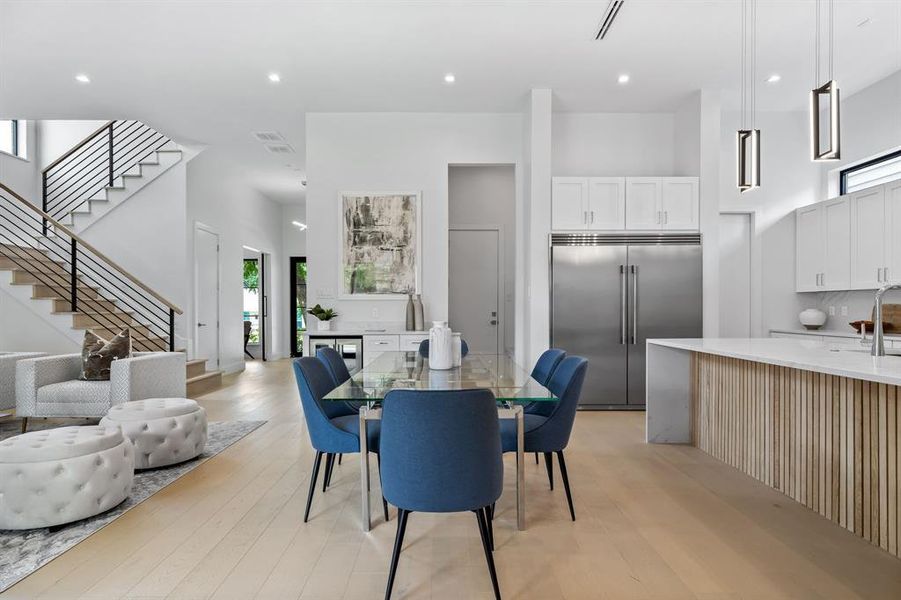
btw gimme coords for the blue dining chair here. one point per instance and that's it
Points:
(544, 367)
(441, 453)
(332, 360)
(329, 434)
(550, 434)
(424, 348)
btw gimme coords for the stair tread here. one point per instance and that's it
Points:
(196, 361)
(205, 376)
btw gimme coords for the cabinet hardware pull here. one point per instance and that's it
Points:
(585, 217)
(665, 217)
(592, 217)
(885, 274)
(878, 275)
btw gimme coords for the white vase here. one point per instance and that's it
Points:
(458, 350)
(812, 318)
(441, 346)
(324, 326)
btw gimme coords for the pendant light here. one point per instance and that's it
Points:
(829, 91)
(748, 137)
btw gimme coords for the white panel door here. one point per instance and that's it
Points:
(735, 275)
(893, 231)
(643, 203)
(809, 245)
(569, 203)
(206, 309)
(607, 203)
(679, 202)
(868, 238)
(836, 273)
(475, 284)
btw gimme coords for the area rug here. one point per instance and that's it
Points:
(23, 552)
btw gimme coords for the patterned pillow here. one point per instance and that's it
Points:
(97, 354)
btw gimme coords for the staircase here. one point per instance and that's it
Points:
(44, 262)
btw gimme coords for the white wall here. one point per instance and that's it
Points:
(613, 144)
(56, 137)
(23, 175)
(385, 152)
(218, 198)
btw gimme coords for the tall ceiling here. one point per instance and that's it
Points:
(197, 69)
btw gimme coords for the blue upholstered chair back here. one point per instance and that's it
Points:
(313, 383)
(546, 364)
(334, 363)
(441, 450)
(566, 384)
(424, 348)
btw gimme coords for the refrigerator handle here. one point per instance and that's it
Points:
(634, 269)
(623, 311)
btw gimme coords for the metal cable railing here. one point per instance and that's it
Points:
(70, 269)
(95, 163)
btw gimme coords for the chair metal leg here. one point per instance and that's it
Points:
(398, 544)
(339, 458)
(482, 516)
(313, 476)
(24, 424)
(378, 459)
(549, 465)
(536, 458)
(329, 461)
(489, 513)
(569, 496)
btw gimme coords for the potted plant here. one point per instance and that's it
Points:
(324, 315)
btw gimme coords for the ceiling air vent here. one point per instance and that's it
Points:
(609, 17)
(268, 136)
(279, 148)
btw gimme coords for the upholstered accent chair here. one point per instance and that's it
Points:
(8, 362)
(49, 386)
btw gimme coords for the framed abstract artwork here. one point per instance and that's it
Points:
(380, 245)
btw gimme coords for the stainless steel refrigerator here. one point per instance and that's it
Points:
(610, 293)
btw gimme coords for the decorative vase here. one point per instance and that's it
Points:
(458, 349)
(441, 346)
(411, 314)
(418, 317)
(324, 326)
(812, 318)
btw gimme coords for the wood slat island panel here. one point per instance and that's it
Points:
(829, 442)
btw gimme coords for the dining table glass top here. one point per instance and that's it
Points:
(410, 370)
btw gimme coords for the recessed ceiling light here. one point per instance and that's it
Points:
(82, 78)
(302, 226)
(450, 78)
(622, 79)
(274, 77)
(774, 78)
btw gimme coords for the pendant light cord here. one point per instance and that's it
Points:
(831, 38)
(816, 45)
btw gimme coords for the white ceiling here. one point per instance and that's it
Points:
(198, 69)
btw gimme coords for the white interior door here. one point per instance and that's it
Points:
(735, 275)
(206, 295)
(474, 284)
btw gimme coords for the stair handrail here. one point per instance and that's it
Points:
(78, 146)
(69, 233)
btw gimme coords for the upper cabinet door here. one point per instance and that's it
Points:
(679, 203)
(868, 238)
(569, 203)
(893, 231)
(607, 203)
(836, 271)
(643, 203)
(809, 255)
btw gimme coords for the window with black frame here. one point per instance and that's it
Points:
(873, 172)
(12, 137)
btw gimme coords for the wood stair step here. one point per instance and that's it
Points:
(203, 384)
(196, 367)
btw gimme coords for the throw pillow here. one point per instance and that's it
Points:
(97, 355)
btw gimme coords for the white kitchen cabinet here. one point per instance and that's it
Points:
(374, 345)
(606, 203)
(410, 341)
(679, 203)
(869, 238)
(643, 203)
(893, 232)
(569, 203)
(809, 243)
(836, 223)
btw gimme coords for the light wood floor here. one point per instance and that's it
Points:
(655, 522)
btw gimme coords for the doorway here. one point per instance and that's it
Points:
(255, 310)
(735, 235)
(475, 275)
(298, 304)
(206, 294)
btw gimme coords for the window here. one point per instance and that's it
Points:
(873, 172)
(12, 137)
(252, 298)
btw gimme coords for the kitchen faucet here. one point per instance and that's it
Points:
(878, 348)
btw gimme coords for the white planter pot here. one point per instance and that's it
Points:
(812, 318)
(324, 326)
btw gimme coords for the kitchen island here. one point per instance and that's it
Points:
(818, 422)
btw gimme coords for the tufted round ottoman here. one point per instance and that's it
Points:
(164, 431)
(62, 475)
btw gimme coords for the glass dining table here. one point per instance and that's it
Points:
(511, 384)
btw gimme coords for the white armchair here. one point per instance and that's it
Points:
(49, 386)
(8, 362)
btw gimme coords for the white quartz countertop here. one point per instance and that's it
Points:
(809, 355)
(831, 333)
(336, 333)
